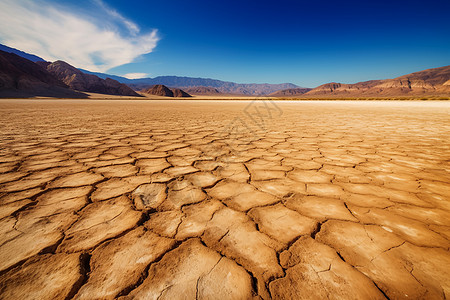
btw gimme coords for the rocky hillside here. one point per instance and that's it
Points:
(80, 81)
(159, 90)
(162, 90)
(428, 82)
(179, 93)
(22, 78)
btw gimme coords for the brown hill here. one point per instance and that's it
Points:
(22, 78)
(159, 90)
(162, 90)
(179, 93)
(80, 81)
(290, 92)
(202, 90)
(428, 82)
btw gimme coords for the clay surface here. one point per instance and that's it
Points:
(217, 200)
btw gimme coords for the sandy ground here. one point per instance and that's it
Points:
(224, 200)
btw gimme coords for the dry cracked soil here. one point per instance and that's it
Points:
(224, 200)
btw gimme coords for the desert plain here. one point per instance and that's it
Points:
(197, 199)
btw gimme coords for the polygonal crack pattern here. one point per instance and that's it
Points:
(156, 200)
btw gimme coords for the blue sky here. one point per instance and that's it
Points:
(303, 42)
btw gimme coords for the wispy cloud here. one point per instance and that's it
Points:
(55, 32)
(136, 75)
(131, 26)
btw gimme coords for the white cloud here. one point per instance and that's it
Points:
(132, 27)
(136, 75)
(58, 33)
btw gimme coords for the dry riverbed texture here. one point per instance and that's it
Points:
(224, 200)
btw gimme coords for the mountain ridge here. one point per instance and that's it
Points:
(32, 57)
(434, 81)
(80, 81)
(22, 78)
(184, 82)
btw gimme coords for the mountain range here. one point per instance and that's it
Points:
(27, 75)
(424, 83)
(28, 56)
(77, 80)
(434, 81)
(22, 78)
(224, 87)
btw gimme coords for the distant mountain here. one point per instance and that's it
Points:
(225, 87)
(80, 81)
(162, 90)
(31, 57)
(22, 78)
(104, 76)
(18, 76)
(428, 82)
(290, 92)
(202, 90)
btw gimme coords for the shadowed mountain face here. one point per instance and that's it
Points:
(159, 90)
(179, 93)
(80, 81)
(162, 90)
(202, 90)
(290, 92)
(428, 82)
(20, 77)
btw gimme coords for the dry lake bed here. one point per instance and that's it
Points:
(224, 199)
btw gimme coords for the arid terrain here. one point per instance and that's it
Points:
(190, 199)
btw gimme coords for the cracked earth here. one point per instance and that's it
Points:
(198, 200)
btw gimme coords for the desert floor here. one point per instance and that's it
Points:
(224, 200)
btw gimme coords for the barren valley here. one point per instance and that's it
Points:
(224, 199)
